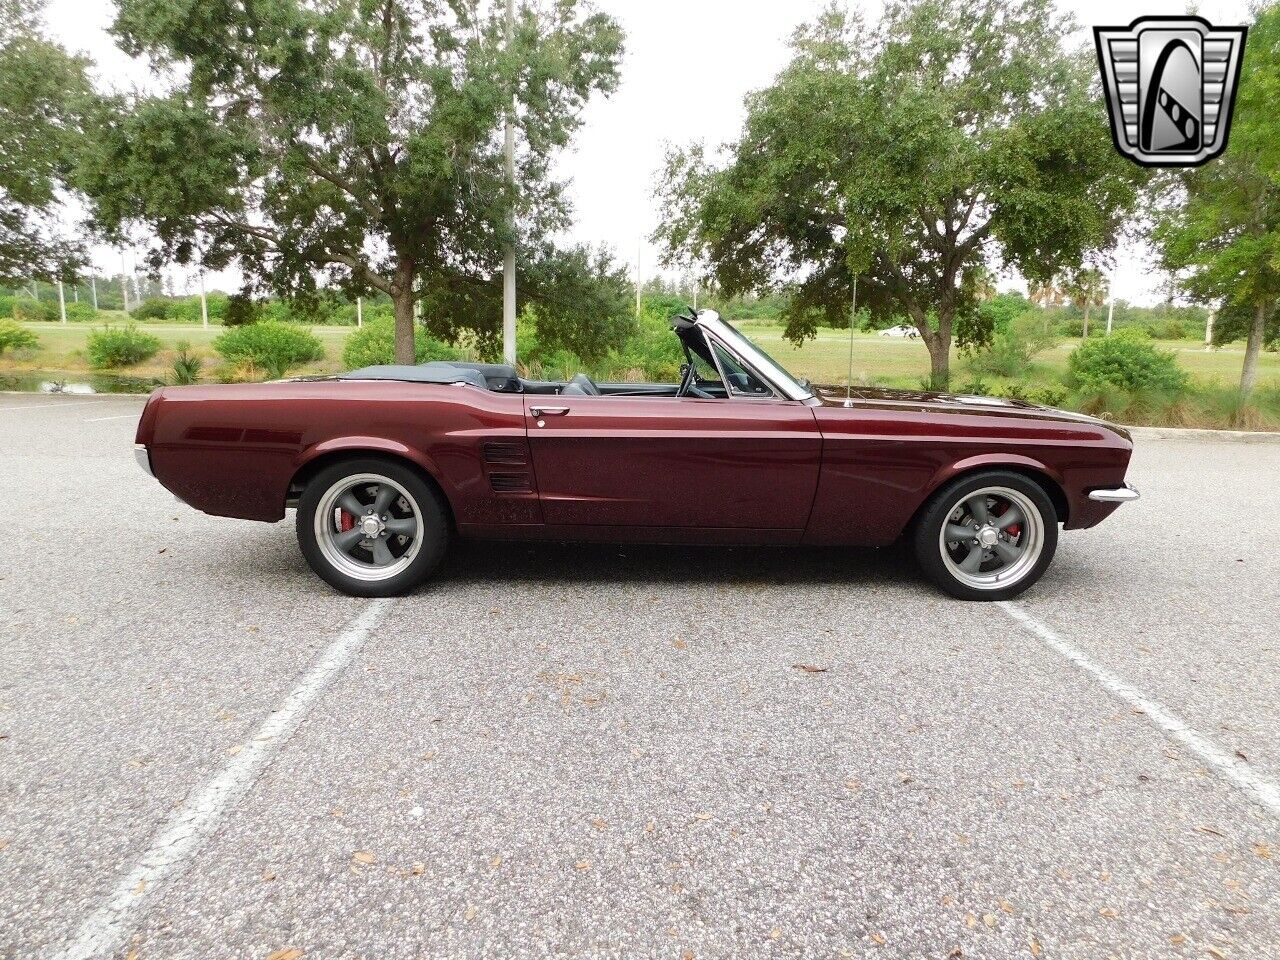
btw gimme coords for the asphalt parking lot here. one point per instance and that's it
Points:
(618, 752)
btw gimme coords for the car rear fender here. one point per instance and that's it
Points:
(337, 446)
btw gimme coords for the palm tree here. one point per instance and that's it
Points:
(1088, 289)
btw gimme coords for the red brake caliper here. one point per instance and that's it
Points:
(346, 521)
(1014, 528)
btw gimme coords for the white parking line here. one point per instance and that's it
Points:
(66, 404)
(123, 416)
(105, 930)
(1265, 792)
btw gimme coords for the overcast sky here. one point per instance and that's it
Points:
(688, 65)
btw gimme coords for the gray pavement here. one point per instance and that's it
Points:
(611, 752)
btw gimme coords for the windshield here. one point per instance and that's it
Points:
(765, 363)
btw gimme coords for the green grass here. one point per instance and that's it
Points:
(876, 360)
(897, 362)
(62, 347)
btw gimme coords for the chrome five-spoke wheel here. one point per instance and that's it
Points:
(992, 538)
(372, 527)
(988, 536)
(368, 527)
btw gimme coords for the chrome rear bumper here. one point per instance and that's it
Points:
(1119, 495)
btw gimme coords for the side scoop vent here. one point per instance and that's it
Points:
(511, 482)
(505, 454)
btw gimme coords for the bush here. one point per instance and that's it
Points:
(152, 308)
(1127, 360)
(187, 310)
(6, 306)
(81, 312)
(186, 365)
(14, 336)
(241, 309)
(34, 310)
(274, 347)
(1010, 353)
(374, 344)
(120, 347)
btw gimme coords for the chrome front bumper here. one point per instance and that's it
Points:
(1119, 495)
(143, 457)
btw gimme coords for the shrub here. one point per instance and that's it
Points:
(186, 365)
(187, 310)
(14, 336)
(120, 346)
(152, 308)
(6, 306)
(1127, 360)
(1010, 353)
(274, 347)
(241, 309)
(34, 310)
(1048, 396)
(374, 344)
(81, 312)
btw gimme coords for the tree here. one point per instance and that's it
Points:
(354, 144)
(1219, 225)
(42, 89)
(1088, 288)
(952, 135)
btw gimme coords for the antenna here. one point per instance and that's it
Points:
(853, 320)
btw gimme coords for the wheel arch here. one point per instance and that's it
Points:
(326, 454)
(1035, 471)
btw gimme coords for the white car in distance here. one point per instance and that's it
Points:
(901, 330)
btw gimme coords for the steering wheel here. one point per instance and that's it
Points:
(688, 386)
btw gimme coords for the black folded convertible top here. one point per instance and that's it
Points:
(424, 374)
(499, 377)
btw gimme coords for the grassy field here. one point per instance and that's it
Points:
(881, 360)
(899, 362)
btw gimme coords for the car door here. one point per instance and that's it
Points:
(739, 461)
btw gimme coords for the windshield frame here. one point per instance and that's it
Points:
(775, 374)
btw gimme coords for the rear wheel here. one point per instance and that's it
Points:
(371, 528)
(989, 536)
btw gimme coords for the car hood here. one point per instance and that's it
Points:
(937, 402)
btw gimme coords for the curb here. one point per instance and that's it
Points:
(1184, 433)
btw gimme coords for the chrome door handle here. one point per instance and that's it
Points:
(548, 411)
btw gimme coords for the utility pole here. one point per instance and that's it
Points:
(1111, 312)
(509, 260)
(62, 303)
(1208, 330)
(359, 312)
(639, 247)
(204, 302)
(93, 284)
(124, 281)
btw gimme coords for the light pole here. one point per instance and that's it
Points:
(509, 259)
(1208, 330)
(62, 303)
(93, 285)
(204, 302)
(124, 281)
(359, 312)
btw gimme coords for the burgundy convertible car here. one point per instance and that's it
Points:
(386, 464)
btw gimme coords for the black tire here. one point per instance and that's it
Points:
(405, 572)
(958, 498)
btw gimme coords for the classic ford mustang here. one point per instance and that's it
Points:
(386, 464)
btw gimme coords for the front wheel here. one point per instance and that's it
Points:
(371, 528)
(987, 537)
